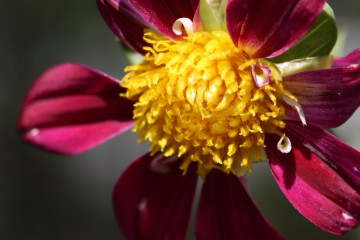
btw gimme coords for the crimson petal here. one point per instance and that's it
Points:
(351, 58)
(163, 13)
(71, 108)
(264, 33)
(227, 212)
(125, 23)
(341, 157)
(313, 187)
(151, 204)
(328, 96)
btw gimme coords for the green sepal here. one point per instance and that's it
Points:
(319, 41)
(213, 18)
(304, 64)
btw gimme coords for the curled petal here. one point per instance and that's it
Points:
(328, 97)
(351, 58)
(313, 187)
(125, 23)
(227, 212)
(295, 105)
(71, 108)
(262, 78)
(155, 205)
(262, 33)
(162, 14)
(284, 144)
(181, 23)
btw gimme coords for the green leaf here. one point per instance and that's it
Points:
(319, 41)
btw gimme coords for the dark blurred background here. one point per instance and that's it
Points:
(44, 196)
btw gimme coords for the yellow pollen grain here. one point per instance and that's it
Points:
(196, 98)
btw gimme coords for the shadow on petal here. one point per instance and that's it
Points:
(226, 211)
(313, 187)
(71, 108)
(152, 204)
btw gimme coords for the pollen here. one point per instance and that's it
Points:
(204, 100)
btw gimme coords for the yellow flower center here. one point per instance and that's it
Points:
(202, 99)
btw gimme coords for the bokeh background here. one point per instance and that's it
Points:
(44, 196)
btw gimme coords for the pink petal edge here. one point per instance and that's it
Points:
(351, 58)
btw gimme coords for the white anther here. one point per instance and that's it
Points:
(297, 107)
(178, 25)
(284, 144)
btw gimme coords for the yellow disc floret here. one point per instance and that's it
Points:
(204, 100)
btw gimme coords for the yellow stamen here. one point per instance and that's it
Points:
(197, 99)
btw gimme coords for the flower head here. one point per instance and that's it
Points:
(220, 82)
(201, 99)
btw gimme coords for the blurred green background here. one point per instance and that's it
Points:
(44, 196)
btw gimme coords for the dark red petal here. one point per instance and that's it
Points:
(340, 156)
(227, 212)
(125, 23)
(151, 204)
(267, 28)
(163, 13)
(313, 187)
(71, 108)
(351, 58)
(328, 97)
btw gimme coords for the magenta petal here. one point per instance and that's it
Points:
(163, 13)
(227, 212)
(351, 58)
(340, 156)
(125, 23)
(152, 204)
(267, 28)
(313, 187)
(328, 97)
(71, 108)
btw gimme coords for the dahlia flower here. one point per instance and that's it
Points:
(220, 83)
